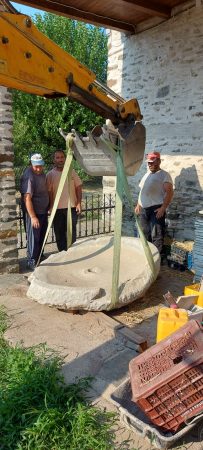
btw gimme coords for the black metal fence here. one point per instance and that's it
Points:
(96, 218)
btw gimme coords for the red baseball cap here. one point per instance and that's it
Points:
(152, 156)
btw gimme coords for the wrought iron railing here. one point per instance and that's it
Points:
(96, 218)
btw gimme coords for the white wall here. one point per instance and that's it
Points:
(163, 68)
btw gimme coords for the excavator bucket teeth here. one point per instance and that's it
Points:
(96, 157)
(134, 148)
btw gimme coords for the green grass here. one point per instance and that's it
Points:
(38, 411)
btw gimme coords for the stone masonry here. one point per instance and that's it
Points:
(8, 227)
(163, 68)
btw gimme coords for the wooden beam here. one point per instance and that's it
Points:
(151, 8)
(68, 11)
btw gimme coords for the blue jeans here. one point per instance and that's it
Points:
(153, 228)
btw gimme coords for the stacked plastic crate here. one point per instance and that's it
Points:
(167, 379)
(181, 256)
(198, 247)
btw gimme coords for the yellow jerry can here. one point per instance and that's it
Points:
(170, 320)
(193, 289)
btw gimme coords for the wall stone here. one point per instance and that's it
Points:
(163, 68)
(8, 225)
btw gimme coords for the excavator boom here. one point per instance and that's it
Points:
(31, 62)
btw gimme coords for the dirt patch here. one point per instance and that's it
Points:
(146, 307)
(15, 291)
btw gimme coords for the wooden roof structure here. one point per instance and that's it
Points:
(122, 15)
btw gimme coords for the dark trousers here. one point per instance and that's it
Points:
(153, 228)
(35, 236)
(60, 227)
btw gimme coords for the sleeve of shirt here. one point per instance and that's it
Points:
(167, 178)
(27, 186)
(141, 183)
(76, 178)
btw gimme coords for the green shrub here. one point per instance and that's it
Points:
(38, 411)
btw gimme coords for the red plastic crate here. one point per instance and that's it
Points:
(167, 379)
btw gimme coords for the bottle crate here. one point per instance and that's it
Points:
(167, 379)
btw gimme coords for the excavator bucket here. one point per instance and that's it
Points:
(95, 156)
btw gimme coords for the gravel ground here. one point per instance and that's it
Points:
(141, 315)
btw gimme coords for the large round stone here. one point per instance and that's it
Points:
(81, 278)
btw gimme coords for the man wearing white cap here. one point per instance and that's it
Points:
(156, 193)
(36, 199)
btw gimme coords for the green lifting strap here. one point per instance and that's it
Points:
(145, 244)
(66, 173)
(121, 187)
(69, 215)
(117, 231)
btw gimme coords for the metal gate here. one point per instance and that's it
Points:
(96, 218)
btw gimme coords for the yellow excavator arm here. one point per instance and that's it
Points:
(31, 62)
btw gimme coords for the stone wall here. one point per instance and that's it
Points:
(8, 226)
(163, 68)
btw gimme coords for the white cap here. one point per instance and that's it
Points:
(37, 160)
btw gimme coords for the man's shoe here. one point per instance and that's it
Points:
(31, 265)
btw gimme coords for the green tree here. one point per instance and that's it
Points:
(36, 120)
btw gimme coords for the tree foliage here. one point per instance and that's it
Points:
(36, 120)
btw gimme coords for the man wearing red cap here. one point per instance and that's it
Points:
(156, 193)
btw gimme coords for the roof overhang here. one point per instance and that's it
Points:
(123, 15)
